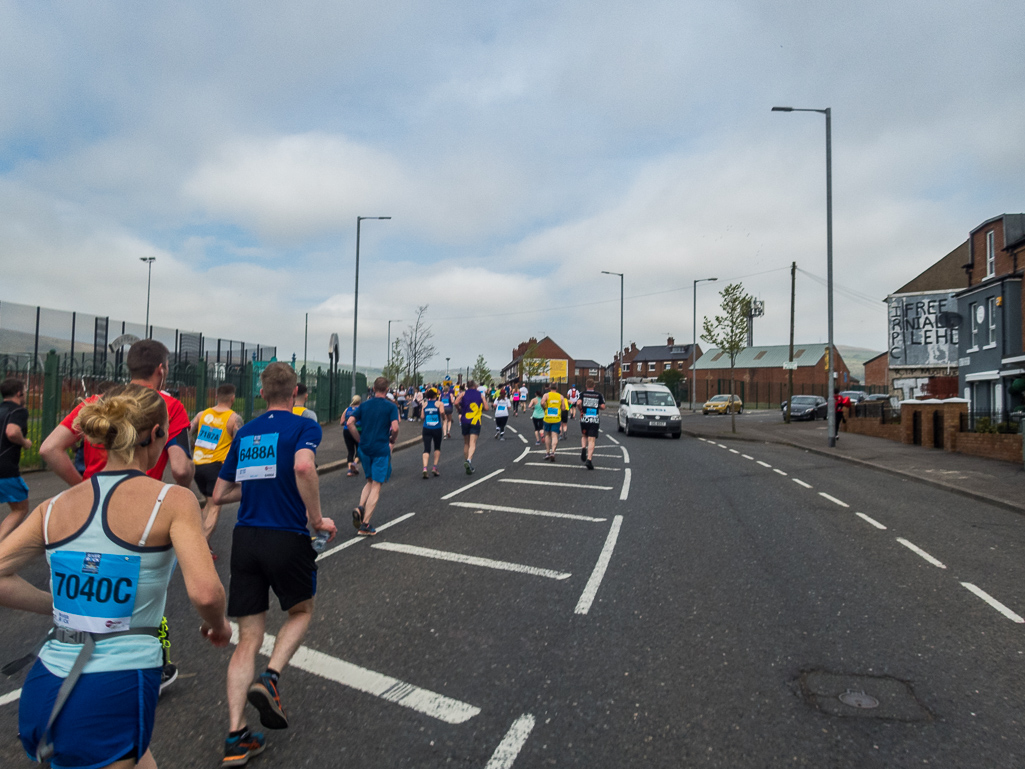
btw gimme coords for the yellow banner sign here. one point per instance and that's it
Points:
(558, 370)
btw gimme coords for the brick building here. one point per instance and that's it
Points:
(650, 361)
(534, 361)
(877, 372)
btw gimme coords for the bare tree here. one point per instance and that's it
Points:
(416, 344)
(728, 331)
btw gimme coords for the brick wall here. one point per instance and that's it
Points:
(1005, 447)
(873, 427)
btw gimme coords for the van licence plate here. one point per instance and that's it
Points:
(658, 424)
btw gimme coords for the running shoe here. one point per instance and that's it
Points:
(472, 469)
(468, 467)
(366, 530)
(426, 476)
(435, 470)
(502, 438)
(168, 676)
(590, 465)
(496, 434)
(357, 517)
(583, 455)
(263, 695)
(238, 750)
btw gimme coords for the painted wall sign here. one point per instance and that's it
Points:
(920, 329)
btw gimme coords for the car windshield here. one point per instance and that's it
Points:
(804, 400)
(651, 398)
(719, 399)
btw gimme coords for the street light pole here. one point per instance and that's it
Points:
(355, 301)
(694, 343)
(619, 380)
(149, 276)
(828, 112)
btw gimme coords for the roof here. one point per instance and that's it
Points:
(946, 274)
(1014, 230)
(663, 352)
(585, 363)
(773, 356)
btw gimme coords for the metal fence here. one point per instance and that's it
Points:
(991, 422)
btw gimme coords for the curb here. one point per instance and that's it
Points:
(339, 464)
(978, 496)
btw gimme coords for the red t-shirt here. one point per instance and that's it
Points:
(96, 456)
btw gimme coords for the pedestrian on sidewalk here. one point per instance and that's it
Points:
(351, 456)
(432, 434)
(271, 470)
(590, 404)
(13, 438)
(471, 405)
(379, 418)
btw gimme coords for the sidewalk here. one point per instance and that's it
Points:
(987, 480)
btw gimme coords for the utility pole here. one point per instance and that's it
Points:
(790, 368)
(306, 339)
(149, 277)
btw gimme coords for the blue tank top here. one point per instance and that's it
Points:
(102, 584)
(432, 416)
(348, 413)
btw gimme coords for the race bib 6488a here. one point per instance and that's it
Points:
(257, 457)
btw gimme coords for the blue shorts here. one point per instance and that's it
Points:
(376, 468)
(13, 490)
(553, 427)
(108, 717)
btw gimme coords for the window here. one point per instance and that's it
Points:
(652, 366)
(626, 367)
(991, 310)
(972, 309)
(991, 254)
(761, 354)
(667, 365)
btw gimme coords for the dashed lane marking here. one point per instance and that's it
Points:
(461, 489)
(873, 521)
(625, 492)
(833, 499)
(554, 483)
(513, 742)
(522, 439)
(764, 464)
(470, 560)
(722, 446)
(354, 540)
(370, 682)
(994, 603)
(526, 511)
(626, 455)
(591, 588)
(571, 467)
(10, 697)
(777, 470)
(745, 456)
(521, 456)
(915, 549)
(799, 482)
(512, 429)
(734, 451)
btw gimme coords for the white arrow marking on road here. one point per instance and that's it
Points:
(626, 455)
(354, 540)
(799, 482)
(591, 588)
(871, 520)
(833, 499)
(521, 456)
(994, 603)
(915, 549)
(413, 697)
(513, 742)
(625, 492)
(571, 467)
(10, 697)
(555, 483)
(470, 560)
(471, 485)
(526, 511)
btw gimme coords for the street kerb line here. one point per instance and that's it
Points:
(354, 540)
(471, 560)
(370, 682)
(994, 603)
(873, 521)
(555, 466)
(591, 588)
(526, 511)
(625, 492)
(626, 455)
(511, 745)
(919, 551)
(833, 499)
(10, 697)
(555, 483)
(526, 451)
(461, 489)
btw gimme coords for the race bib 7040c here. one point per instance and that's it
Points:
(257, 457)
(94, 592)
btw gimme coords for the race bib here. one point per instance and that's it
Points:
(432, 420)
(553, 411)
(591, 412)
(257, 457)
(501, 411)
(208, 437)
(93, 592)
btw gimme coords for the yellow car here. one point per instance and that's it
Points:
(723, 404)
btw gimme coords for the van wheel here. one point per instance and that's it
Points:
(628, 430)
(677, 436)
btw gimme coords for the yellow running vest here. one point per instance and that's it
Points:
(213, 440)
(298, 410)
(553, 411)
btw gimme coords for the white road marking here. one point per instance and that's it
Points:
(745, 456)
(799, 482)
(522, 438)
(871, 520)
(387, 688)
(513, 742)
(612, 439)
(764, 464)
(915, 549)
(526, 511)
(734, 451)
(569, 451)
(554, 483)
(10, 697)
(591, 588)
(354, 540)
(721, 446)
(994, 603)
(461, 489)
(512, 429)
(626, 486)
(777, 470)
(702, 439)
(571, 467)
(521, 456)
(626, 455)
(832, 499)
(470, 560)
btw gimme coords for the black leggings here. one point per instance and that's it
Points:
(350, 446)
(500, 423)
(432, 436)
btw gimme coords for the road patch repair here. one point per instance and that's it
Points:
(853, 695)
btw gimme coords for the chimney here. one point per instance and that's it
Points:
(671, 341)
(633, 346)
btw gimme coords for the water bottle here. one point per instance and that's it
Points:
(320, 541)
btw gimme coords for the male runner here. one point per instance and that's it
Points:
(379, 428)
(302, 395)
(591, 403)
(573, 396)
(552, 404)
(471, 405)
(13, 438)
(214, 430)
(271, 469)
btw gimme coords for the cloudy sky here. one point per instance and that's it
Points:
(520, 148)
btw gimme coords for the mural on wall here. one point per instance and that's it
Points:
(923, 329)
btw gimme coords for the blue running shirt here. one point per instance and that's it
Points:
(375, 415)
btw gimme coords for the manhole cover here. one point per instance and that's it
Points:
(859, 700)
(846, 695)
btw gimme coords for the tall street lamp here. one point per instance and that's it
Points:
(355, 301)
(694, 343)
(619, 381)
(829, 259)
(149, 276)
(388, 356)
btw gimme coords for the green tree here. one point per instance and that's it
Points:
(396, 363)
(728, 331)
(481, 373)
(532, 367)
(672, 378)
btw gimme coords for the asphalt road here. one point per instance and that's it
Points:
(738, 603)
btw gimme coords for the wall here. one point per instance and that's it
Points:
(872, 427)
(1003, 447)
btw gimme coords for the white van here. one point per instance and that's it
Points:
(648, 408)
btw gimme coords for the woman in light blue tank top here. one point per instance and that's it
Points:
(111, 553)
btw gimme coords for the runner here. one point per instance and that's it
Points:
(352, 456)
(13, 438)
(502, 406)
(447, 396)
(271, 470)
(85, 533)
(537, 416)
(302, 394)
(471, 405)
(564, 420)
(432, 430)
(590, 404)
(380, 429)
(552, 403)
(214, 429)
(524, 394)
(573, 396)
(418, 405)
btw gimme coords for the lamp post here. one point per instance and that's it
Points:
(694, 343)
(355, 301)
(149, 275)
(388, 356)
(446, 367)
(619, 380)
(829, 259)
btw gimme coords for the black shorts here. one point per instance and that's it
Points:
(565, 417)
(539, 424)
(470, 429)
(206, 477)
(432, 436)
(589, 430)
(270, 559)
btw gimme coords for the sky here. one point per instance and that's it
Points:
(520, 149)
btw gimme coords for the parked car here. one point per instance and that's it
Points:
(648, 408)
(856, 396)
(806, 407)
(723, 404)
(877, 397)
